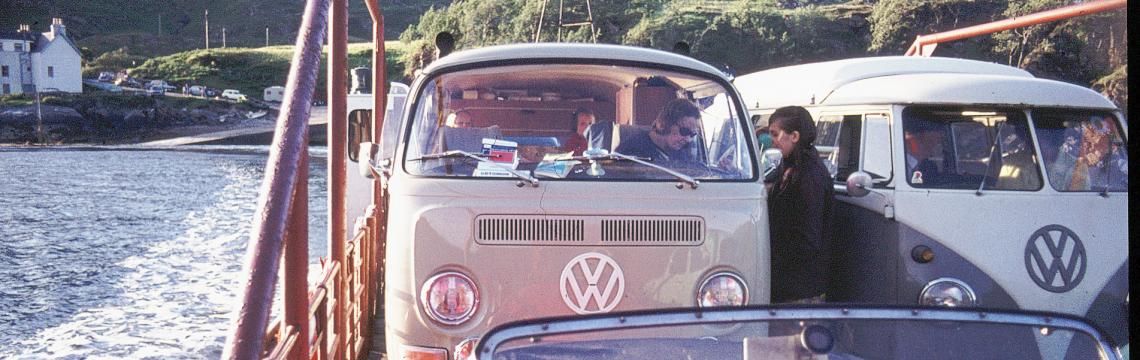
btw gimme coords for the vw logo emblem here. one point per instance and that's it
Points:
(592, 283)
(1055, 258)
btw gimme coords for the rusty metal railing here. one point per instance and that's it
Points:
(924, 44)
(333, 320)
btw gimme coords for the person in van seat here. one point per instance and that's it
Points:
(671, 133)
(922, 138)
(800, 207)
(577, 142)
(459, 119)
(764, 138)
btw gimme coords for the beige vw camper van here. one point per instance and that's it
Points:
(529, 181)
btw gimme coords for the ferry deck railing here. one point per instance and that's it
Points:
(333, 319)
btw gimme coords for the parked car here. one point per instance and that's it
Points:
(155, 91)
(128, 82)
(106, 76)
(200, 90)
(160, 83)
(197, 90)
(234, 95)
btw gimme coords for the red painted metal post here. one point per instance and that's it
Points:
(380, 82)
(278, 189)
(295, 273)
(337, 128)
(379, 112)
(924, 44)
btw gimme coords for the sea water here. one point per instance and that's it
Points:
(123, 253)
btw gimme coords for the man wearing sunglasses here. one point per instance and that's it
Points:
(675, 127)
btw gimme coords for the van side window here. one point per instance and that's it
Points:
(877, 158)
(359, 130)
(848, 145)
(827, 127)
(1082, 150)
(954, 148)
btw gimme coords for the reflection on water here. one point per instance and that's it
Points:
(118, 253)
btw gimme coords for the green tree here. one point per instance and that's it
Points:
(896, 23)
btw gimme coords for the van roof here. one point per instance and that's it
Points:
(532, 51)
(907, 80)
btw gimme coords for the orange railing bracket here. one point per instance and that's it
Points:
(924, 45)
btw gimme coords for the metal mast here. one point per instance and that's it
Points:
(561, 21)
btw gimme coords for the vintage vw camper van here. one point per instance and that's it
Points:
(966, 183)
(504, 206)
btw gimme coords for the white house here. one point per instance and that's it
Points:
(47, 61)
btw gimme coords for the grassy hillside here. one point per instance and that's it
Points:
(251, 70)
(161, 27)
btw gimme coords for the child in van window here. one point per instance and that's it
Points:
(577, 142)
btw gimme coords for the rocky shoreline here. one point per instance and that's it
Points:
(97, 123)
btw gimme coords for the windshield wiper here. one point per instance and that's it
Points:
(990, 162)
(693, 183)
(452, 154)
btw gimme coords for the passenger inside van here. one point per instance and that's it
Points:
(1018, 165)
(670, 135)
(923, 138)
(459, 119)
(577, 142)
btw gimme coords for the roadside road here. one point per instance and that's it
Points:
(318, 116)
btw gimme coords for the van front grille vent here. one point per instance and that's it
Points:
(653, 231)
(589, 230)
(523, 230)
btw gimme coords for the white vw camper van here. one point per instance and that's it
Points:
(966, 183)
(505, 206)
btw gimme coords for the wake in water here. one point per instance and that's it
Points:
(172, 298)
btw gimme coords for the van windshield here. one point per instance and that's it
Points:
(958, 148)
(560, 121)
(1082, 150)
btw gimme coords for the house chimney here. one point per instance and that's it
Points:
(57, 27)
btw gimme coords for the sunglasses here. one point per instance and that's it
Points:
(684, 131)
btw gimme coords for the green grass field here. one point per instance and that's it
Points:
(251, 70)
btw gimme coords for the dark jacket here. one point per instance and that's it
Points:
(800, 215)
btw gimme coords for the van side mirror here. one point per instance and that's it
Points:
(772, 159)
(859, 184)
(366, 166)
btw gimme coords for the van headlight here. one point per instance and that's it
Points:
(450, 298)
(948, 292)
(722, 289)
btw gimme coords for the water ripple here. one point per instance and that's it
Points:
(128, 254)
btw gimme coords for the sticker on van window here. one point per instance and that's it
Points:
(504, 152)
(916, 177)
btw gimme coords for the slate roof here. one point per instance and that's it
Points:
(17, 36)
(45, 39)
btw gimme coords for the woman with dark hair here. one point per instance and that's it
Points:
(799, 208)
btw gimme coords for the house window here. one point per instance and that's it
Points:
(4, 71)
(7, 89)
(51, 71)
(18, 46)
